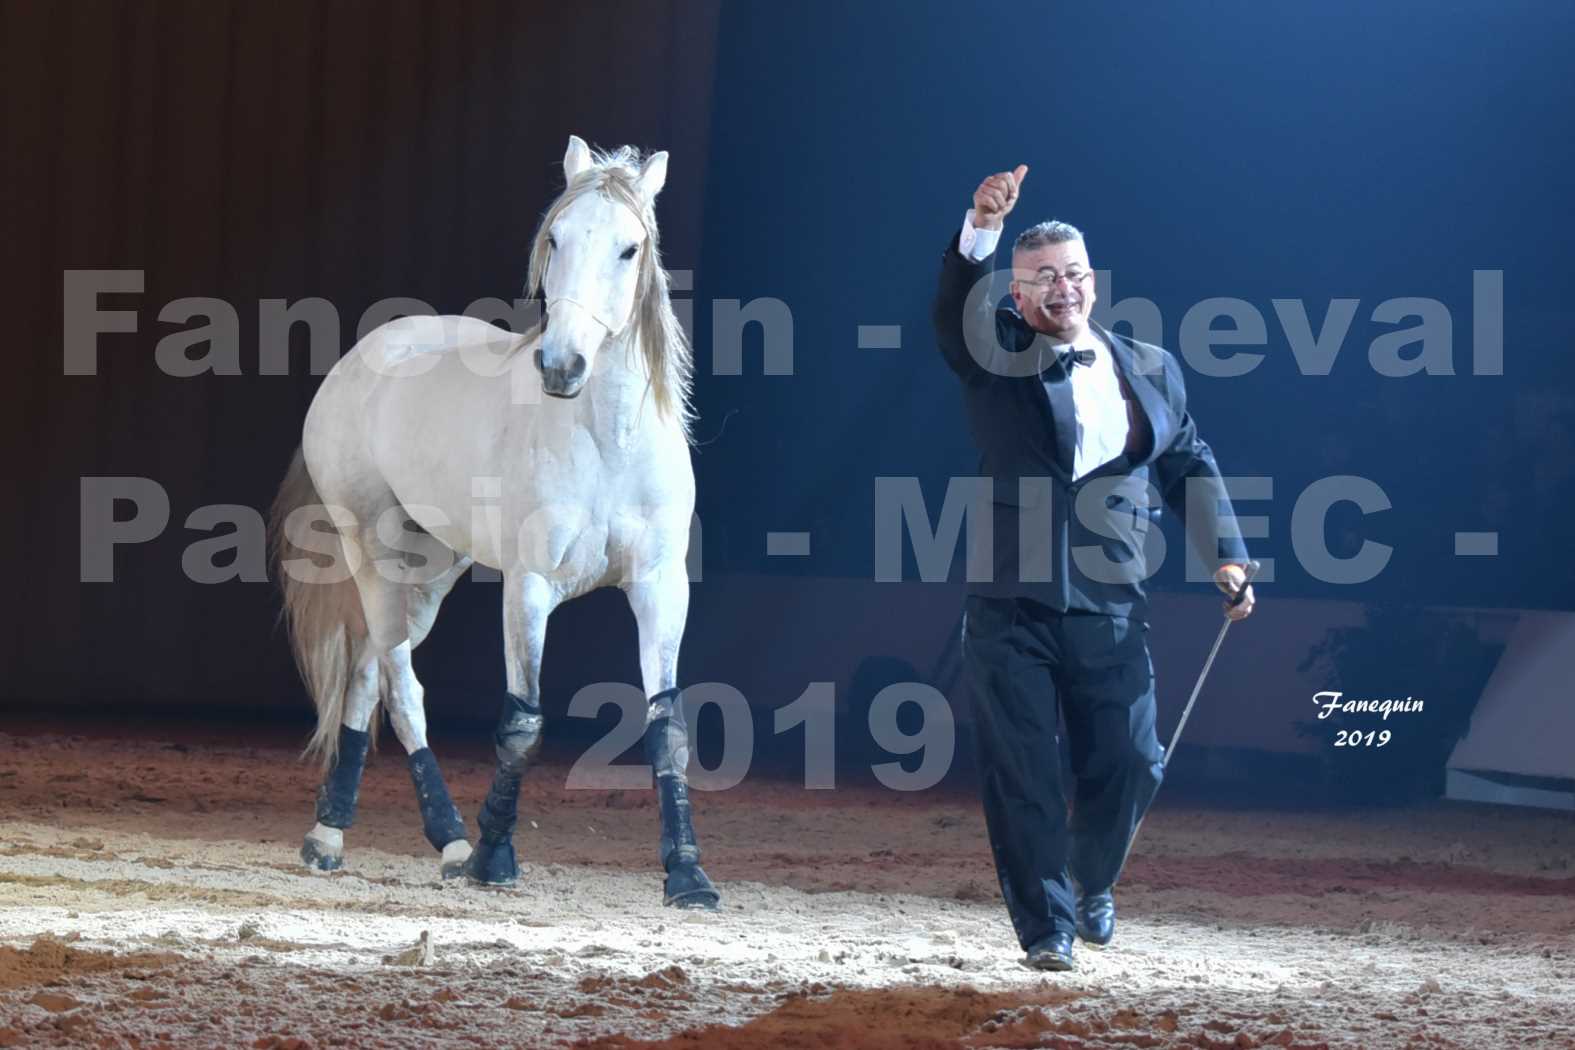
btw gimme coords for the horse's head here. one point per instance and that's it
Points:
(593, 260)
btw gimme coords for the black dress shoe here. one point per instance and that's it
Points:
(1096, 918)
(1052, 953)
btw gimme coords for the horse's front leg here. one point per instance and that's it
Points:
(660, 601)
(527, 602)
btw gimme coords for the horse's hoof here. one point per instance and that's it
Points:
(319, 856)
(492, 865)
(687, 886)
(455, 856)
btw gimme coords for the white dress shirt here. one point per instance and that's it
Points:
(1099, 407)
(974, 244)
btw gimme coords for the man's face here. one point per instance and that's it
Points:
(1053, 287)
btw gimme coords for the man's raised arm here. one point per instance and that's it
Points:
(959, 322)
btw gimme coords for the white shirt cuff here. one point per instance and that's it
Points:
(976, 244)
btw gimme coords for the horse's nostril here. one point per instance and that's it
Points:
(577, 367)
(539, 366)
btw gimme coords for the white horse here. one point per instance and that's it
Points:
(560, 458)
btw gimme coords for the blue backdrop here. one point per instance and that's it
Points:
(1256, 151)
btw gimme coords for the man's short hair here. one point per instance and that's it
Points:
(1053, 231)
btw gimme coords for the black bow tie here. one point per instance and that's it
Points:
(1076, 357)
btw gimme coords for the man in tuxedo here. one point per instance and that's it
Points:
(1085, 434)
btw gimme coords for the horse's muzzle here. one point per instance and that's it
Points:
(567, 381)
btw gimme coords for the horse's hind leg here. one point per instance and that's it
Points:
(660, 602)
(440, 819)
(398, 608)
(324, 846)
(527, 602)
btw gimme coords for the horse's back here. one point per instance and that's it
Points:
(409, 347)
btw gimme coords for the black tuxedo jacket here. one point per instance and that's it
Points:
(1087, 544)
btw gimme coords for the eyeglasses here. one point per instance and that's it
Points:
(1049, 278)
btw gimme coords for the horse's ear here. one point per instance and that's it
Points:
(654, 175)
(576, 158)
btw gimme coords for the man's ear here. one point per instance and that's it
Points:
(654, 175)
(576, 159)
(1017, 299)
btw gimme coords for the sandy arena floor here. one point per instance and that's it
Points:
(150, 896)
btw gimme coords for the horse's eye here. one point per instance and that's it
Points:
(552, 242)
(628, 253)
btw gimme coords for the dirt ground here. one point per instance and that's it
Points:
(150, 896)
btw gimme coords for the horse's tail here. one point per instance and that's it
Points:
(324, 616)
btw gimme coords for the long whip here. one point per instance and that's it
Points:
(1186, 712)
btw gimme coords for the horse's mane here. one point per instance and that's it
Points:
(669, 359)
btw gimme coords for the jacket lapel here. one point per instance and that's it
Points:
(1141, 383)
(1055, 396)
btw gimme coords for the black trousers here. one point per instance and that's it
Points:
(1029, 664)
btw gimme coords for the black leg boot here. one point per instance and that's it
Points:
(440, 819)
(518, 736)
(667, 750)
(336, 797)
